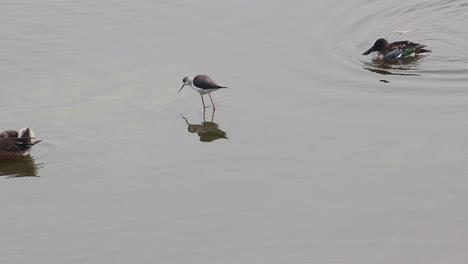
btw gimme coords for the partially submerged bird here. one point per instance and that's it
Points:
(384, 51)
(16, 144)
(202, 84)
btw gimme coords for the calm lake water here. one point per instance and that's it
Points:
(314, 154)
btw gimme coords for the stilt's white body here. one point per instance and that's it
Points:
(202, 91)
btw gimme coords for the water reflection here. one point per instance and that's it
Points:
(207, 131)
(385, 72)
(19, 167)
(393, 67)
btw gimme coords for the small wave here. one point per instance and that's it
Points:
(438, 24)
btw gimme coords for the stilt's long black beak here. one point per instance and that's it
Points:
(369, 51)
(181, 88)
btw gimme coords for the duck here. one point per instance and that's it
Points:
(384, 51)
(17, 143)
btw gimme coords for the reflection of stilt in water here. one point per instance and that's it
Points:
(19, 167)
(207, 131)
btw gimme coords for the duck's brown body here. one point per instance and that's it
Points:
(16, 144)
(383, 50)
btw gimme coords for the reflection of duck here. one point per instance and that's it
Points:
(15, 144)
(207, 131)
(19, 167)
(385, 72)
(396, 67)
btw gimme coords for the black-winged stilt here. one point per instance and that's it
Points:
(202, 84)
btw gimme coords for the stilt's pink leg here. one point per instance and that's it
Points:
(214, 108)
(203, 101)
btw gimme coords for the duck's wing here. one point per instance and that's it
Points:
(394, 54)
(13, 144)
(400, 44)
(16, 144)
(408, 46)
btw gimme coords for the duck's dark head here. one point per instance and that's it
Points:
(380, 45)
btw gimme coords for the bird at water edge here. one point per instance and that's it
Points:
(16, 144)
(203, 84)
(385, 51)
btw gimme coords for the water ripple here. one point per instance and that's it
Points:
(438, 24)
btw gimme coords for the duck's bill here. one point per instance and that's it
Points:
(369, 51)
(181, 88)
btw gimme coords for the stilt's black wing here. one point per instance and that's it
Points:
(205, 82)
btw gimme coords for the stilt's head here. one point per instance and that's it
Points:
(187, 81)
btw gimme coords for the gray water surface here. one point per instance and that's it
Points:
(314, 154)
